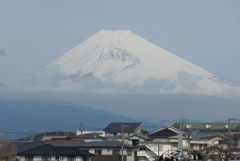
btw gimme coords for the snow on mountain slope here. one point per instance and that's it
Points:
(122, 57)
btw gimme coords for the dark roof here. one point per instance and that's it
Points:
(62, 142)
(23, 146)
(116, 127)
(144, 131)
(105, 144)
(53, 150)
(165, 133)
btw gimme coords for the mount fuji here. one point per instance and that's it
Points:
(125, 61)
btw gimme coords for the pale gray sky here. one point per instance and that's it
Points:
(34, 33)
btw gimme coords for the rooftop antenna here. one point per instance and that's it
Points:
(123, 126)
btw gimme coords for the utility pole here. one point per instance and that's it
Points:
(230, 136)
(229, 124)
(180, 139)
(123, 126)
(159, 122)
(229, 127)
(81, 129)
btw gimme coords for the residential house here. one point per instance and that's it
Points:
(171, 135)
(44, 138)
(49, 152)
(110, 149)
(80, 132)
(137, 140)
(89, 137)
(162, 142)
(200, 132)
(208, 126)
(117, 130)
(222, 141)
(221, 146)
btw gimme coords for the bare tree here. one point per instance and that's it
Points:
(7, 150)
(222, 151)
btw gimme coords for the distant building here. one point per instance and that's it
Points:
(115, 129)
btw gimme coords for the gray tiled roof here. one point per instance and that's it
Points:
(105, 144)
(212, 126)
(116, 127)
(53, 150)
(23, 146)
(67, 142)
(164, 133)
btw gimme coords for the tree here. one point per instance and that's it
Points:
(222, 150)
(7, 150)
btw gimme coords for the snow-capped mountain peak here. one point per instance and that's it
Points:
(114, 58)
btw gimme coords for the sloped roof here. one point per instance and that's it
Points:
(164, 133)
(174, 129)
(60, 142)
(211, 126)
(105, 144)
(144, 131)
(23, 146)
(116, 127)
(53, 150)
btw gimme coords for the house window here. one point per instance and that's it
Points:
(135, 142)
(208, 126)
(71, 158)
(223, 141)
(85, 159)
(116, 152)
(29, 158)
(216, 142)
(57, 158)
(227, 126)
(46, 158)
(98, 152)
(142, 148)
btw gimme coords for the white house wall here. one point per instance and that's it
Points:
(61, 158)
(156, 149)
